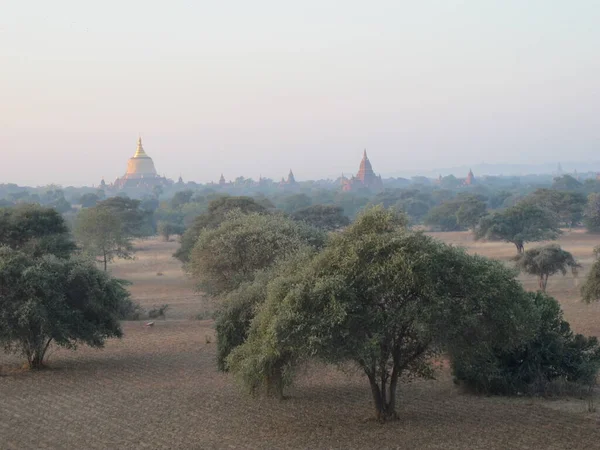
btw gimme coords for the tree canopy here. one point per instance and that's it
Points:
(519, 224)
(212, 218)
(226, 256)
(48, 299)
(35, 230)
(135, 221)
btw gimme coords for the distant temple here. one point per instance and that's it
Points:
(291, 180)
(470, 180)
(141, 172)
(365, 178)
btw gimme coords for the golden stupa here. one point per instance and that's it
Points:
(140, 165)
(141, 172)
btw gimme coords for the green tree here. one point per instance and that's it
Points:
(549, 351)
(135, 221)
(65, 301)
(568, 206)
(100, 233)
(460, 213)
(35, 230)
(382, 297)
(231, 254)
(590, 290)
(470, 210)
(88, 200)
(167, 229)
(325, 217)
(212, 218)
(591, 216)
(546, 261)
(519, 224)
(567, 183)
(181, 198)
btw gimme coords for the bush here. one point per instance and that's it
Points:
(551, 353)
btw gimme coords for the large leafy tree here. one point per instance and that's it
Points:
(325, 217)
(35, 230)
(48, 299)
(226, 256)
(519, 224)
(101, 234)
(546, 261)
(212, 218)
(382, 297)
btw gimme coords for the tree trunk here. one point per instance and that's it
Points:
(35, 356)
(384, 399)
(105, 260)
(543, 282)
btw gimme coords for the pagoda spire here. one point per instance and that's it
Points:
(139, 151)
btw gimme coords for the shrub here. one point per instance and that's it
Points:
(552, 352)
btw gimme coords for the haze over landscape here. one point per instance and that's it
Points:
(256, 88)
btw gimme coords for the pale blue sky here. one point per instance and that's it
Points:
(249, 88)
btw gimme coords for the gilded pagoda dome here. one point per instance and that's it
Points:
(140, 165)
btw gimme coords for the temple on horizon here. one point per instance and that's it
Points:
(365, 178)
(141, 172)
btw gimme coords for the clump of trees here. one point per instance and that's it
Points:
(518, 225)
(47, 294)
(546, 261)
(460, 213)
(388, 299)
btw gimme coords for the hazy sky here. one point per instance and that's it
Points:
(256, 87)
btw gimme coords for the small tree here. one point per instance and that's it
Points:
(99, 232)
(166, 229)
(519, 224)
(66, 301)
(546, 261)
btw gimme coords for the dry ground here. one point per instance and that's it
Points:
(159, 388)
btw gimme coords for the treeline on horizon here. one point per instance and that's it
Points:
(445, 205)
